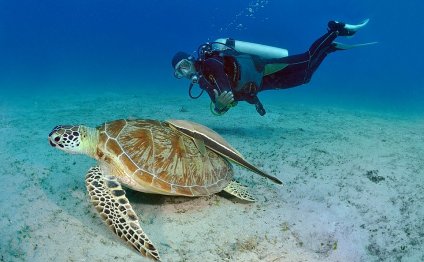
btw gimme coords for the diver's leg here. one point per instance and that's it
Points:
(300, 68)
(322, 43)
(318, 51)
(325, 45)
(312, 57)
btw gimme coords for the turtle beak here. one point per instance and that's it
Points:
(54, 138)
(51, 143)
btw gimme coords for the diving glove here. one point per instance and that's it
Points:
(223, 101)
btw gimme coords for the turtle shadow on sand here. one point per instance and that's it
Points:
(140, 198)
(245, 131)
(256, 132)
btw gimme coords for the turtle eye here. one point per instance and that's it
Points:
(54, 139)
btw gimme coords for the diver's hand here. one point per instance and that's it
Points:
(223, 100)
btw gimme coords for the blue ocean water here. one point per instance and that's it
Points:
(113, 45)
(73, 47)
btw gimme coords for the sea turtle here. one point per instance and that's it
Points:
(173, 157)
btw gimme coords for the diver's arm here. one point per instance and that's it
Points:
(221, 94)
(218, 105)
(223, 101)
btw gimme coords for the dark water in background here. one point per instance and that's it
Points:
(118, 45)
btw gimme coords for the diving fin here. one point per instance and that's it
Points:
(353, 28)
(341, 46)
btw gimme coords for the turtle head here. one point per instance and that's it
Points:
(72, 139)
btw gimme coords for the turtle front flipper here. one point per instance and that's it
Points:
(114, 208)
(236, 189)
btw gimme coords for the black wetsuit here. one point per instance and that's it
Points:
(223, 72)
(300, 68)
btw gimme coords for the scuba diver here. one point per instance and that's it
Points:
(231, 70)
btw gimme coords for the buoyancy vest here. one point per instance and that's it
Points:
(247, 56)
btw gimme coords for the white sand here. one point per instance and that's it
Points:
(354, 185)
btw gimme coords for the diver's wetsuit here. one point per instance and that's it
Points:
(222, 72)
(301, 67)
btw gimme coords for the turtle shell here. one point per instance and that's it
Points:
(152, 156)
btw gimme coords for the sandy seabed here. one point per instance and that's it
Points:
(353, 185)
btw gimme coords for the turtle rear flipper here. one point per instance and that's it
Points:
(236, 189)
(114, 208)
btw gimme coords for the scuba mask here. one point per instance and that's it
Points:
(184, 68)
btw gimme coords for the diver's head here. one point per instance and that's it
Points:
(183, 65)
